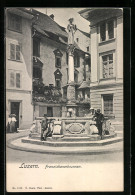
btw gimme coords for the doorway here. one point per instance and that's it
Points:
(49, 111)
(15, 106)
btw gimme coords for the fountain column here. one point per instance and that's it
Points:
(71, 85)
(71, 105)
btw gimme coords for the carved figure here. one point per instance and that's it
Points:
(71, 31)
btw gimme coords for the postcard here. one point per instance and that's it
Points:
(64, 99)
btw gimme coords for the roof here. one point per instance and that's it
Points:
(94, 13)
(84, 10)
(47, 23)
(85, 33)
(23, 12)
(85, 84)
(29, 11)
(49, 28)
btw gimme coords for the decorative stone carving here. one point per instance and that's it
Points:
(38, 126)
(71, 92)
(75, 128)
(57, 128)
(71, 28)
(70, 49)
(93, 129)
(107, 127)
(87, 127)
(33, 127)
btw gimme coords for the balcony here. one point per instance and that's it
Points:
(47, 94)
(82, 100)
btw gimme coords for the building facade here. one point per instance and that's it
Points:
(19, 65)
(106, 87)
(50, 68)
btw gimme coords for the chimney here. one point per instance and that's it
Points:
(52, 16)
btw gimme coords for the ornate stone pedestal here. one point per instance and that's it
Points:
(71, 92)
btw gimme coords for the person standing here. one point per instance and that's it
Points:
(44, 124)
(99, 118)
(8, 128)
(13, 123)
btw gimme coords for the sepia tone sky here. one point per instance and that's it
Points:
(61, 16)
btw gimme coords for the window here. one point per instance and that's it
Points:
(15, 52)
(111, 29)
(58, 77)
(103, 32)
(15, 22)
(14, 79)
(83, 94)
(58, 56)
(67, 75)
(76, 60)
(108, 104)
(58, 83)
(77, 39)
(58, 62)
(76, 76)
(67, 58)
(87, 49)
(107, 30)
(36, 47)
(64, 92)
(37, 72)
(107, 63)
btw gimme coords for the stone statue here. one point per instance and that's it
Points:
(71, 31)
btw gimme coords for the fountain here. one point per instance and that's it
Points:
(71, 130)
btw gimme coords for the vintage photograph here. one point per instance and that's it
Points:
(64, 99)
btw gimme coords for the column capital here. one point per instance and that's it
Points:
(70, 49)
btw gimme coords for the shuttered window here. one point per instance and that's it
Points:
(15, 79)
(12, 79)
(12, 51)
(15, 51)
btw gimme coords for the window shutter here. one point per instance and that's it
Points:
(18, 80)
(18, 52)
(12, 51)
(12, 79)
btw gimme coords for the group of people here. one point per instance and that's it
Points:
(11, 124)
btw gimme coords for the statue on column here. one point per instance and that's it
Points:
(71, 31)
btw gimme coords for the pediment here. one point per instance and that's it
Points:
(57, 73)
(57, 52)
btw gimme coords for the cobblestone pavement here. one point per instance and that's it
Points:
(23, 156)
